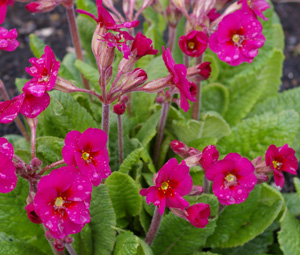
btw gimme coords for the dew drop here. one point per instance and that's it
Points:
(240, 191)
(80, 187)
(227, 59)
(235, 57)
(3, 176)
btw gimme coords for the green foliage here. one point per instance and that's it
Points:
(15, 224)
(83, 241)
(103, 221)
(238, 224)
(251, 137)
(90, 73)
(124, 194)
(49, 149)
(289, 235)
(63, 115)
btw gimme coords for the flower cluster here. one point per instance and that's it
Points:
(34, 98)
(171, 183)
(8, 40)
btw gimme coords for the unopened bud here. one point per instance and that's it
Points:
(64, 85)
(196, 190)
(193, 160)
(32, 216)
(133, 79)
(42, 6)
(179, 3)
(59, 244)
(119, 108)
(173, 15)
(180, 148)
(36, 163)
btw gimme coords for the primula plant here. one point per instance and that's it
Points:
(162, 133)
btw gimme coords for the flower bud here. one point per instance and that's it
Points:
(119, 108)
(42, 6)
(64, 85)
(196, 190)
(32, 216)
(173, 15)
(133, 79)
(180, 148)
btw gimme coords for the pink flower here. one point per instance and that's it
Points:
(198, 214)
(10, 109)
(44, 71)
(119, 108)
(43, 5)
(31, 214)
(62, 201)
(106, 19)
(8, 177)
(119, 41)
(238, 38)
(257, 6)
(3, 8)
(143, 46)
(209, 156)
(88, 152)
(233, 178)
(171, 182)
(8, 40)
(194, 43)
(281, 159)
(213, 15)
(179, 72)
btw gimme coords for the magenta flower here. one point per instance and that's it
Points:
(194, 43)
(3, 8)
(8, 40)
(198, 214)
(209, 156)
(44, 71)
(105, 19)
(171, 182)
(62, 201)
(256, 6)
(233, 178)
(8, 177)
(238, 38)
(119, 41)
(179, 72)
(143, 46)
(88, 152)
(31, 214)
(10, 109)
(281, 159)
(213, 15)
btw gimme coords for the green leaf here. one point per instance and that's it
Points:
(49, 149)
(37, 46)
(20, 82)
(63, 115)
(87, 5)
(69, 62)
(90, 73)
(292, 202)
(124, 194)
(244, 92)
(178, 237)
(148, 130)
(211, 125)
(289, 235)
(238, 224)
(142, 102)
(83, 242)
(130, 160)
(252, 136)
(103, 221)
(156, 69)
(297, 185)
(215, 97)
(14, 221)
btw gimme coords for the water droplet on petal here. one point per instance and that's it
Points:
(80, 187)
(240, 191)
(227, 59)
(3, 176)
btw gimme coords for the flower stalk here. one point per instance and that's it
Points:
(120, 137)
(70, 249)
(155, 223)
(105, 118)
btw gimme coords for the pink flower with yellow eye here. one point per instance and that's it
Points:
(88, 152)
(238, 38)
(281, 159)
(171, 183)
(62, 201)
(233, 178)
(194, 43)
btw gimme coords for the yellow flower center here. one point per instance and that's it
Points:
(85, 156)
(191, 45)
(276, 164)
(164, 186)
(230, 178)
(236, 38)
(249, 2)
(59, 202)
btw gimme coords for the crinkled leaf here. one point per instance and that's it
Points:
(215, 97)
(124, 194)
(83, 241)
(142, 102)
(178, 237)
(292, 202)
(103, 221)
(130, 160)
(251, 137)
(289, 235)
(238, 224)
(156, 69)
(63, 115)
(14, 221)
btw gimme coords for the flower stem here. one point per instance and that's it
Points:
(33, 125)
(105, 118)
(70, 249)
(160, 131)
(46, 168)
(172, 37)
(75, 39)
(197, 104)
(155, 223)
(120, 134)
(18, 121)
(55, 252)
(206, 184)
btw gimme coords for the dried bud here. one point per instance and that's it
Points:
(59, 244)
(193, 160)
(64, 85)
(119, 108)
